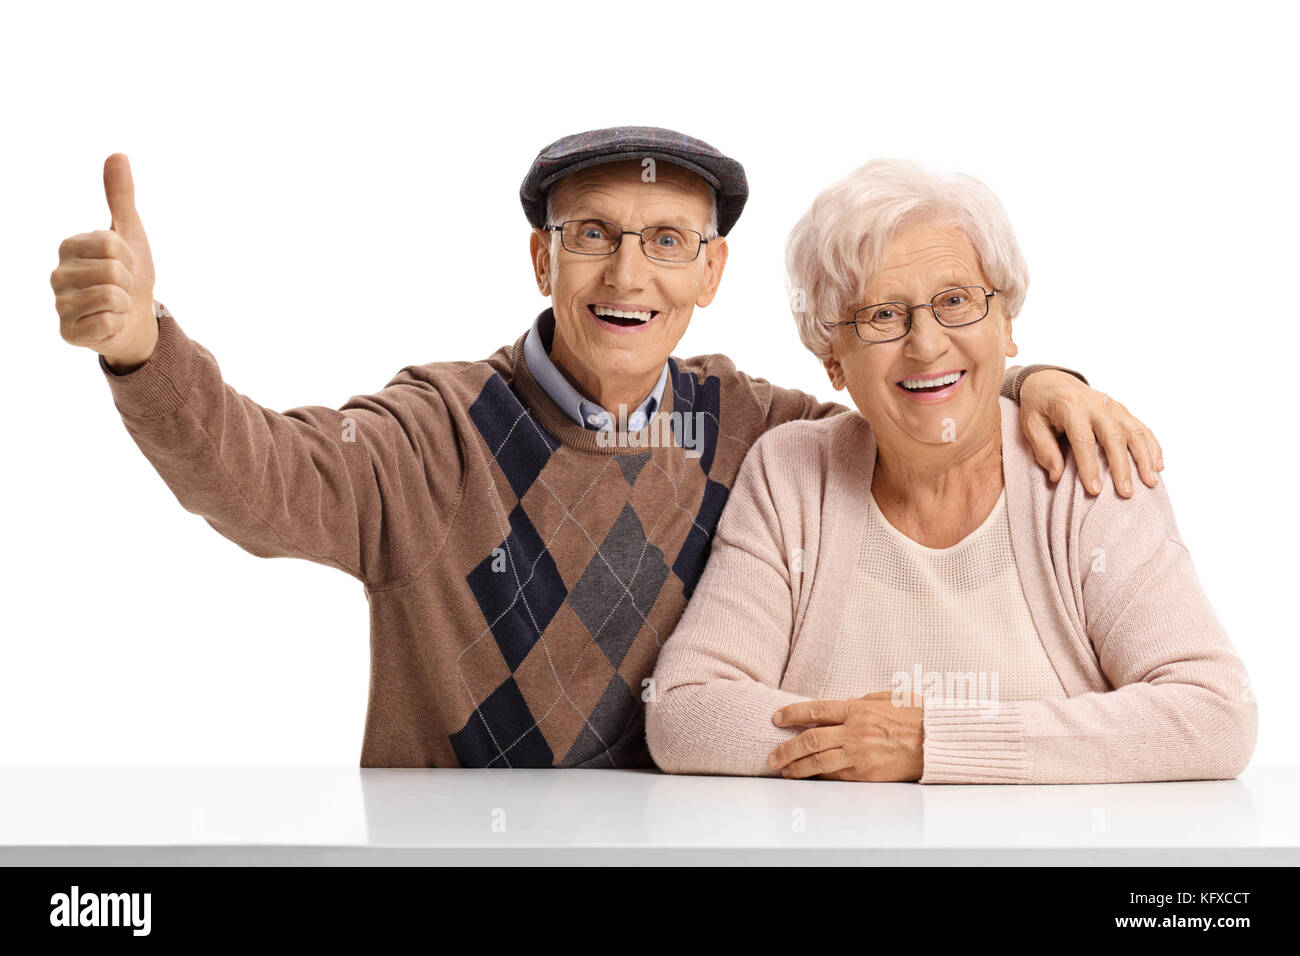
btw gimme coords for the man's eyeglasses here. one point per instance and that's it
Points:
(888, 321)
(595, 237)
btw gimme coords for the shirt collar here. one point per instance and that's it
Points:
(582, 410)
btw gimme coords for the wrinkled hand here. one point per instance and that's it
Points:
(1054, 402)
(868, 738)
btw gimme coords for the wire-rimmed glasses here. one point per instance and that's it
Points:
(596, 237)
(952, 308)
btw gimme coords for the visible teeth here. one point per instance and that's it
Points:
(622, 314)
(931, 382)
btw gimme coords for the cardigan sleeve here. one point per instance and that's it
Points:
(716, 682)
(1179, 707)
(347, 487)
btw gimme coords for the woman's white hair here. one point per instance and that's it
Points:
(835, 248)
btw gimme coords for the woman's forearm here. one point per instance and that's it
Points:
(721, 725)
(716, 682)
(1138, 732)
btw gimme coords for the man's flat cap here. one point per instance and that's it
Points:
(594, 147)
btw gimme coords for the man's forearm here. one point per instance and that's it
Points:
(279, 484)
(1014, 377)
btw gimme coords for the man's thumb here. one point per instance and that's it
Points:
(120, 190)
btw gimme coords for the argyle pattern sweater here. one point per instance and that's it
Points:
(522, 574)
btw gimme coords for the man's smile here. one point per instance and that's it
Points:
(622, 316)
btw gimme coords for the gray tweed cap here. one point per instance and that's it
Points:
(594, 147)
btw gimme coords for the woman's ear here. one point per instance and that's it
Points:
(1012, 348)
(835, 372)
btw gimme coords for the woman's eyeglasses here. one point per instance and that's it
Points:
(952, 308)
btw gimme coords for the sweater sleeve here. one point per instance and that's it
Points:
(1180, 708)
(1015, 376)
(791, 404)
(347, 487)
(717, 679)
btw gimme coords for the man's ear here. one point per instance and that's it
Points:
(539, 247)
(835, 372)
(715, 260)
(1012, 348)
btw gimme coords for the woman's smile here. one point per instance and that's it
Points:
(932, 388)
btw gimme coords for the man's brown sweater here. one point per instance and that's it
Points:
(522, 573)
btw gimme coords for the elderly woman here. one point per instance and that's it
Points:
(901, 594)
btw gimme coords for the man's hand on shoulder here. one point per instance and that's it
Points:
(1054, 402)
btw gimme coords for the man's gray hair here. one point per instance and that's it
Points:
(834, 250)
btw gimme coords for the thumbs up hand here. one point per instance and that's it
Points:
(103, 284)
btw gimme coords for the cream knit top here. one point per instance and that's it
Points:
(951, 621)
(1153, 687)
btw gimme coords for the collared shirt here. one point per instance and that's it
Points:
(585, 412)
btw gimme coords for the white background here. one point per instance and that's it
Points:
(331, 193)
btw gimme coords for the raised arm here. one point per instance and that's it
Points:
(368, 488)
(716, 684)
(1181, 707)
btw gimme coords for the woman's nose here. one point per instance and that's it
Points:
(927, 337)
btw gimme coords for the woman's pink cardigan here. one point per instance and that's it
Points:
(1155, 689)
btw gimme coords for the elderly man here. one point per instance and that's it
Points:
(526, 528)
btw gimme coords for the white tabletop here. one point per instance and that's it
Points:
(346, 815)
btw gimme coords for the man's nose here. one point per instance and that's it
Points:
(627, 267)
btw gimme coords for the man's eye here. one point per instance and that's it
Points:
(666, 240)
(593, 232)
